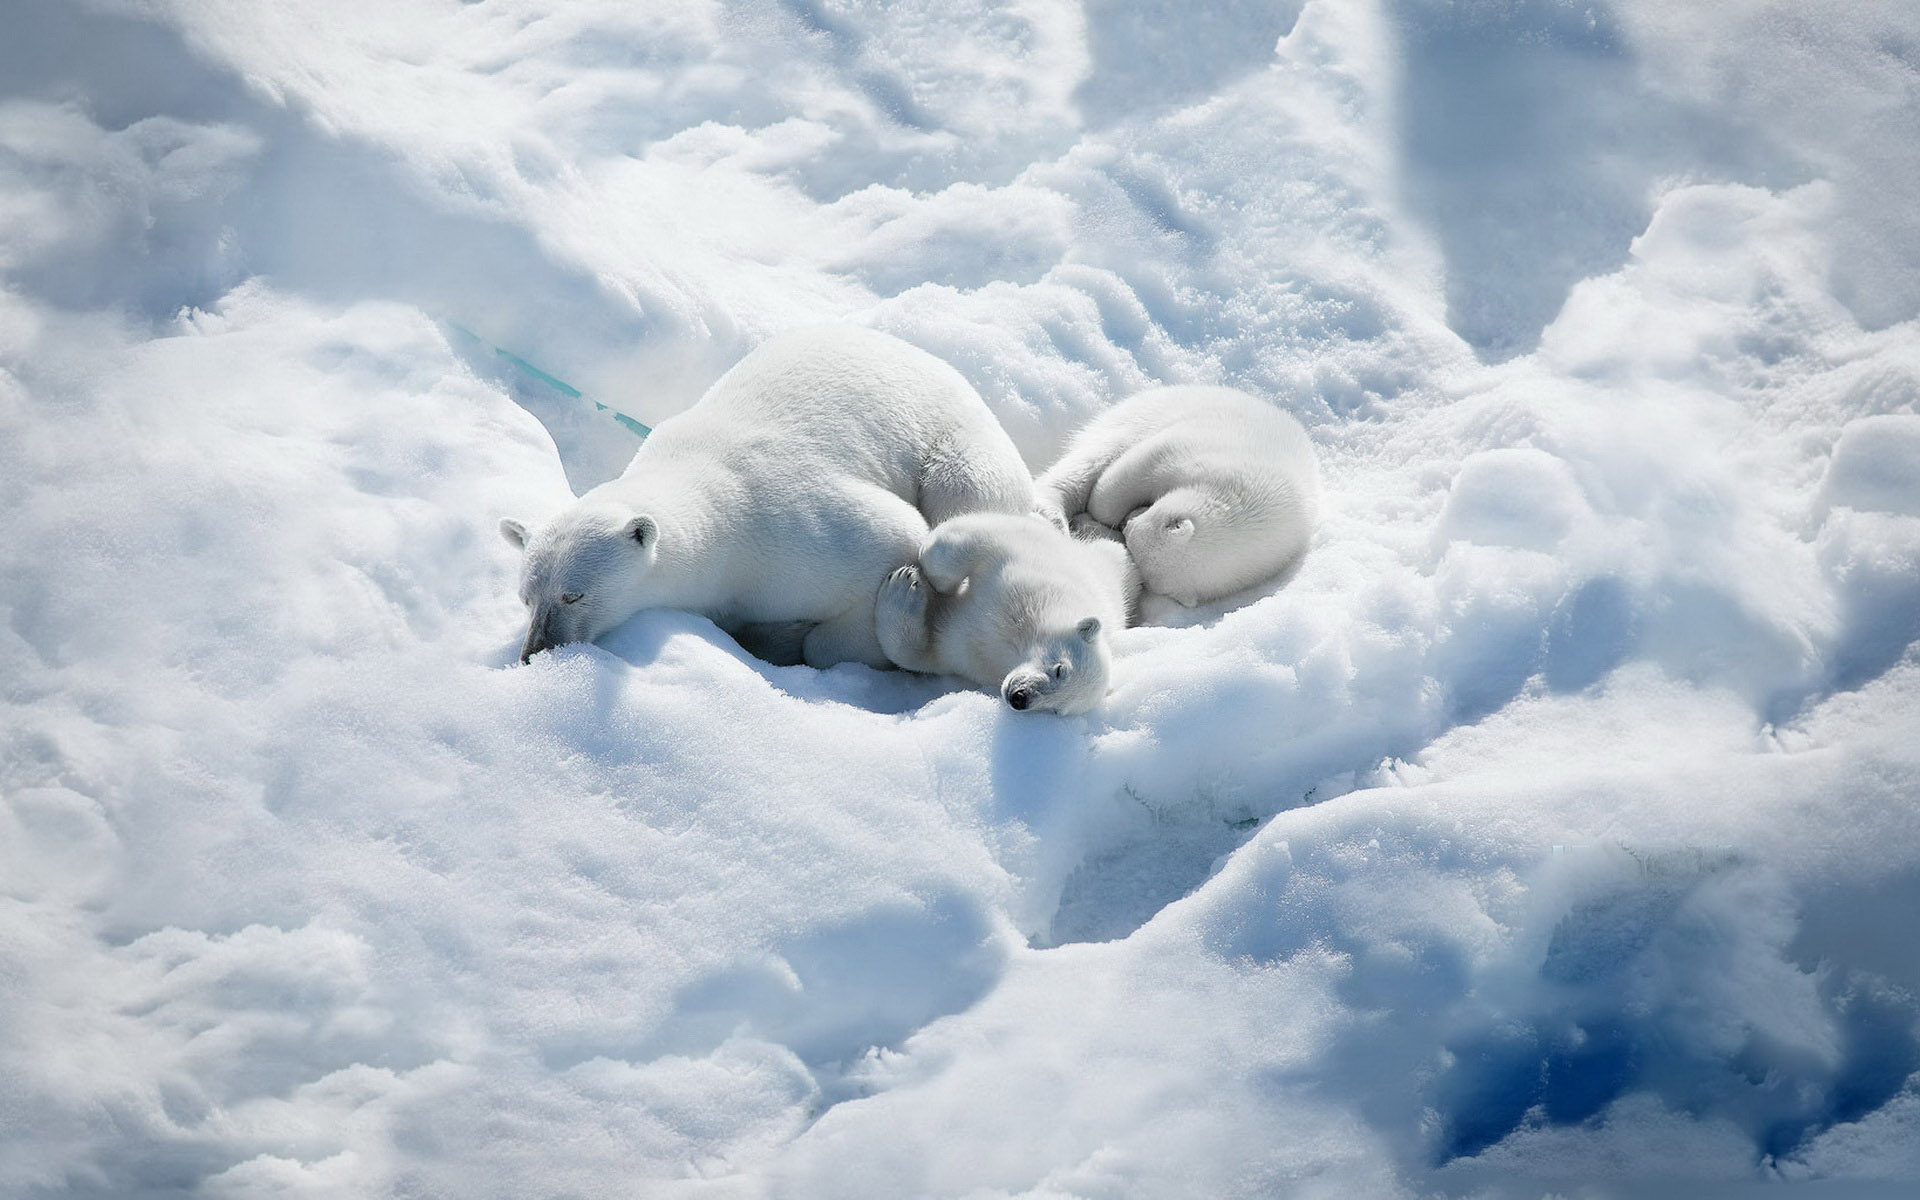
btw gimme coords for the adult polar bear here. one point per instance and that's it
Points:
(1212, 490)
(784, 497)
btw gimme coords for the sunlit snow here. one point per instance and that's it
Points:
(1555, 830)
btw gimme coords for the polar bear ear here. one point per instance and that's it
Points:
(1088, 629)
(642, 530)
(514, 532)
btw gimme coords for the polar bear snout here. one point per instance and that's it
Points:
(1074, 681)
(551, 624)
(1070, 694)
(539, 635)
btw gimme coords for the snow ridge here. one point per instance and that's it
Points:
(1551, 832)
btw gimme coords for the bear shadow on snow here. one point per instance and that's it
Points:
(641, 639)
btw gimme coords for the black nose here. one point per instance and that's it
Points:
(538, 637)
(1019, 698)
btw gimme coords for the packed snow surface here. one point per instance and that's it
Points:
(1556, 829)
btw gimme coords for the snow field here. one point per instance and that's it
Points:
(1553, 830)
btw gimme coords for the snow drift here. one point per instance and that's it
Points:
(1554, 829)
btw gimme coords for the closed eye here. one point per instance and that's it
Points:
(571, 597)
(1058, 672)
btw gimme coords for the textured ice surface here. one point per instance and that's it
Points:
(1554, 831)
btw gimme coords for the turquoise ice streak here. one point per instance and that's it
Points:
(551, 380)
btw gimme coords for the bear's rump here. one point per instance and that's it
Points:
(810, 554)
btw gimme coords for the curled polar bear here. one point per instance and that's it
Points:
(782, 498)
(1013, 604)
(1212, 490)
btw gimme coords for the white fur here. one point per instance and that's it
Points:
(780, 500)
(1013, 604)
(1212, 490)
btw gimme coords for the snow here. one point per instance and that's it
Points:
(1552, 832)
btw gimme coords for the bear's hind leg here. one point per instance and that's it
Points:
(890, 532)
(849, 637)
(1063, 491)
(1136, 479)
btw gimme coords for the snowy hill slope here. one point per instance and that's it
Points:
(1557, 828)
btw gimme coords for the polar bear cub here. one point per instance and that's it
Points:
(781, 498)
(1013, 604)
(1212, 490)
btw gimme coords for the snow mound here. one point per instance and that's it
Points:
(1552, 831)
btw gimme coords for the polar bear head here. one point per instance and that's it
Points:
(1065, 673)
(583, 573)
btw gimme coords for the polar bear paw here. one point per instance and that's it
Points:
(1087, 529)
(900, 617)
(904, 588)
